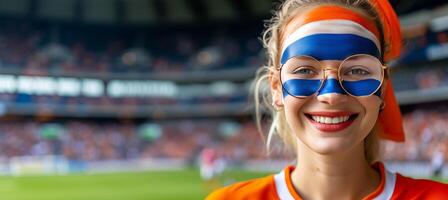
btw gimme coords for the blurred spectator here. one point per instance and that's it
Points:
(53, 48)
(426, 137)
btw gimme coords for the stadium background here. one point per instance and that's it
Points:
(114, 99)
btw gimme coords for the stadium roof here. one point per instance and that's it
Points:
(142, 12)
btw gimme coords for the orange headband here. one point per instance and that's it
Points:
(391, 28)
(336, 12)
(390, 120)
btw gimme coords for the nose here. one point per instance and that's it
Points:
(331, 92)
(332, 98)
(331, 73)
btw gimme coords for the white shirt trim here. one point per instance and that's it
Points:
(389, 186)
(284, 194)
(281, 187)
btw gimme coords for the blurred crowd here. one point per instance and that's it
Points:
(79, 103)
(42, 49)
(45, 49)
(426, 133)
(423, 63)
(84, 140)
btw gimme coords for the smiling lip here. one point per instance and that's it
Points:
(331, 114)
(331, 127)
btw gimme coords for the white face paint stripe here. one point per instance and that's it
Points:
(282, 187)
(389, 186)
(336, 26)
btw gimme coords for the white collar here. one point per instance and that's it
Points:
(284, 193)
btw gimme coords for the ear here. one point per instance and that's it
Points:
(276, 87)
(383, 92)
(384, 84)
(383, 88)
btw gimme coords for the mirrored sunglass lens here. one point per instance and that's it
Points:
(301, 76)
(361, 75)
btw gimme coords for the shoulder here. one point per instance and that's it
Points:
(261, 188)
(420, 188)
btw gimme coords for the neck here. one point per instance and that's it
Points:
(344, 175)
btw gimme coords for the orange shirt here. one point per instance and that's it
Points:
(279, 187)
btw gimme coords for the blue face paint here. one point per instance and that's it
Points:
(330, 47)
(305, 88)
(300, 87)
(331, 86)
(362, 88)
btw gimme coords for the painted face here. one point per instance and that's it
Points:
(342, 35)
(345, 44)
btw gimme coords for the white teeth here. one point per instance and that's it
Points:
(329, 120)
(335, 120)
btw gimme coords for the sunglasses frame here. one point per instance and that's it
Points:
(384, 70)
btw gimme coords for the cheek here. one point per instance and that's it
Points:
(371, 111)
(294, 112)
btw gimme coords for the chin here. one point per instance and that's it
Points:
(329, 146)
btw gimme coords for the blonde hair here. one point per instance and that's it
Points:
(271, 39)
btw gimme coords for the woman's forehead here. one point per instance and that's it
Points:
(328, 32)
(295, 22)
(300, 18)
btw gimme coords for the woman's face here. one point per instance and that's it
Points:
(316, 120)
(327, 122)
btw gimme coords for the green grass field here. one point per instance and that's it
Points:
(169, 185)
(158, 185)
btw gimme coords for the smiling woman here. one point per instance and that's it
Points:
(332, 101)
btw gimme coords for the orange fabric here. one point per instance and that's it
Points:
(409, 188)
(337, 12)
(265, 188)
(256, 189)
(390, 120)
(391, 28)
